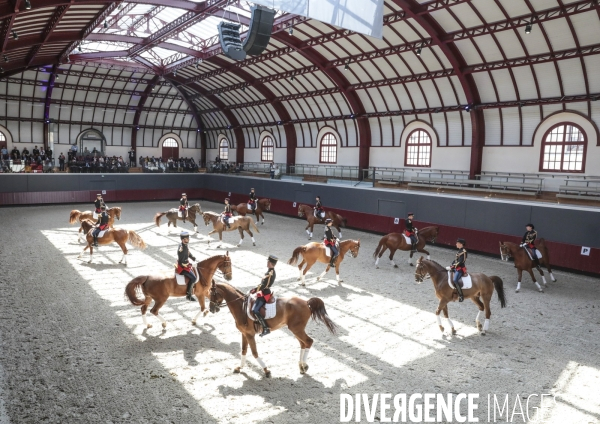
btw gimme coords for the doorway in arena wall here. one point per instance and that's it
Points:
(170, 149)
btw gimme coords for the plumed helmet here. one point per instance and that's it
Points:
(411, 214)
(273, 259)
(461, 241)
(184, 235)
(227, 199)
(530, 225)
(98, 195)
(328, 220)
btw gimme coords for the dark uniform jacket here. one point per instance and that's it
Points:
(267, 282)
(329, 237)
(409, 226)
(318, 206)
(102, 220)
(183, 255)
(227, 210)
(529, 238)
(461, 258)
(183, 202)
(252, 196)
(98, 203)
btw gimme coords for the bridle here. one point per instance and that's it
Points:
(504, 256)
(420, 273)
(354, 250)
(215, 307)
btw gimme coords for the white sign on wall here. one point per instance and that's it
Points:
(294, 204)
(585, 251)
(396, 220)
(229, 194)
(103, 191)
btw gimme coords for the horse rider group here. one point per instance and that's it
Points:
(101, 224)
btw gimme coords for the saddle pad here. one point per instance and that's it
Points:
(179, 214)
(95, 215)
(249, 206)
(180, 279)
(101, 233)
(328, 251)
(408, 240)
(270, 310)
(538, 254)
(466, 279)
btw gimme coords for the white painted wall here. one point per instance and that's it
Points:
(346, 156)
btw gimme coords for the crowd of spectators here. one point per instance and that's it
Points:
(38, 160)
(94, 163)
(159, 165)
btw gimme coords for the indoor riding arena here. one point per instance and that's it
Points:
(306, 211)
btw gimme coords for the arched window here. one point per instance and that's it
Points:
(170, 142)
(328, 149)
(2, 137)
(267, 148)
(224, 149)
(563, 149)
(418, 149)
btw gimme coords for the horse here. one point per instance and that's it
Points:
(160, 287)
(397, 241)
(80, 216)
(293, 312)
(313, 252)
(173, 216)
(480, 293)
(261, 206)
(117, 235)
(242, 223)
(524, 262)
(307, 211)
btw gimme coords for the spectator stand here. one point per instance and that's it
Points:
(580, 188)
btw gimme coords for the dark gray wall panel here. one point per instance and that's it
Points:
(441, 210)
(13, 183)
(497, 217)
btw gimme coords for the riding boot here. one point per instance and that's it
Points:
(95, 241)
(190, 286)
(413, 247)
(332, 262)
(264, 325)
(460, 293)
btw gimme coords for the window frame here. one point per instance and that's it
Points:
(409, 144)
(329, 146)
(224, 139)
(564, 124)
(267, 149)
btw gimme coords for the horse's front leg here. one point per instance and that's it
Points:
(520, 275)
(261, 216)
(421, 248)
(530, 271)
(241, 231)
(252, 344)
(337, 272)
(439, 309)
(202, 307)
(243, 355)
(449, 321)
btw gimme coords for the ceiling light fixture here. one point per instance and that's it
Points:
(27, 5)
(528, 28)
(1, 70)
(419, 50)
(468, 108)
(243, 88)
(5, 58)
(291, 30)
(292, 78)
(105, 25)
(15, 35)
(347, 66)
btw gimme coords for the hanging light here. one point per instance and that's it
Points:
(15, 35)
(291, 30)
(175, 73)
(105, 25)
(346, 67)
(419, 50)
(243, 88)
(528, 28)
(5, 58)
(1, 70)
(292, 78)
(27, 4)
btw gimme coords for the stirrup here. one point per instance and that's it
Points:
(190, 297)
(266, 330)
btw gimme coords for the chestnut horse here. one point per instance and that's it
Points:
(293, 312)
(241, 223)
(313, 252)
(524, 262)
(480, 293)
(173, 216)
(261, 206)
(397, 241)
(160, 287)
(117, 235)
(308, 212)
(80, 216)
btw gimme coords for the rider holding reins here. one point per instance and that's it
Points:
(263, 293)
(459, 267)
(411, 231)
(529, 241)
(330, 240)
(183, 266)
(99, 203)
(252, 201)
(183, 206)
(319, 211)
(101, 224)
(227, 213)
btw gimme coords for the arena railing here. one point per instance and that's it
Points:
(340, 172)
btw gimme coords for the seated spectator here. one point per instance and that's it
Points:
(25, 151)
(36, 151)
(49, 154)
(15, 154)
(217, 159)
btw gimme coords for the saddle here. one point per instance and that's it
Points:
(182, 280)
(464, 282)
(268, 311)
(532, 256)
(328, 249)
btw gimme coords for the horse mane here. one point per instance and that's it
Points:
(435, 263)
(238, 291)
(211, 213)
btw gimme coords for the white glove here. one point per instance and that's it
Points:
(448, 268)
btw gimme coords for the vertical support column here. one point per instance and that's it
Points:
(138, 112)
(47, 103)
(291, 144)
(240, 144)
(477, 142)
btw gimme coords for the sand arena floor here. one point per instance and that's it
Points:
(74, 350)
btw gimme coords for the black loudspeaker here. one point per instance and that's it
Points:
(229, 36)
(259, 32)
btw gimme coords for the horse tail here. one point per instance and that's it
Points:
(135, 240)
(74, 216)
(499, 285)
(344, 221)
(381, 244)
(157, 218)
(254, 225)
(133, 288)
(297, 251)
(318, 312)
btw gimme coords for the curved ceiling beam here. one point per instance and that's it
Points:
(415, 11)
(290, 132)
(138, 111)
(356, 106)
(192, 106)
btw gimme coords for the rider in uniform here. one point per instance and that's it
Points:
(529, 240)
(227, 213)
(101, 224)
(330, 240)
(183, 265)
(99, 203)
(459, 267)
(252, 201)
(183, 206)
(263, 293)
(411, 231)
(319, 208)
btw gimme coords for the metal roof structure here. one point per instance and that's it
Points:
(479, 71)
